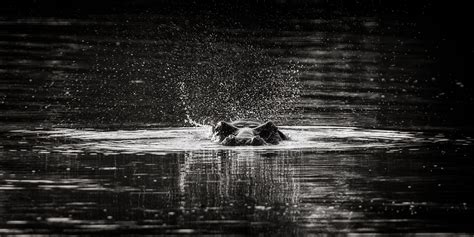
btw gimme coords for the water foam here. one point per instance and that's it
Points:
(324, 138)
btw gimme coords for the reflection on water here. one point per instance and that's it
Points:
(234, 191)
(157, 141)
(201, 191)
(377, 132)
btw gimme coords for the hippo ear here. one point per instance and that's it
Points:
(217, 127)
(223, 128)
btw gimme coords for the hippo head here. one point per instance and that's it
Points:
(246, 133)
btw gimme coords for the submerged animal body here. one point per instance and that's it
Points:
(247, 133)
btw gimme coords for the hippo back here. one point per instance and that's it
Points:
(243, 124)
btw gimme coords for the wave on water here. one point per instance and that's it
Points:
(151, 141)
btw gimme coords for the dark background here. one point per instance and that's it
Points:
(445, 23)
(443, 30)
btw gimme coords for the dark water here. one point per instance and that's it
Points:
(96, 117)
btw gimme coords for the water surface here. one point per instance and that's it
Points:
(98, 130)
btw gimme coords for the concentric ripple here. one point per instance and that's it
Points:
(325, 138)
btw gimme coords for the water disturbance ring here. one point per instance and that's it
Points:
(149, 141)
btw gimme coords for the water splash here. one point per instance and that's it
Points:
(179, 75)
(230, 81)
(184, 99)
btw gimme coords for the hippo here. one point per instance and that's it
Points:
(248, 133)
